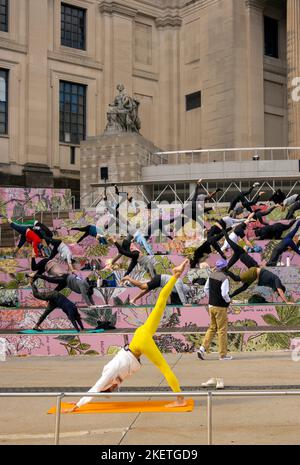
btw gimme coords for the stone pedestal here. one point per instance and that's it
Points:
(124, 155)
(37, 175)
(293, 55)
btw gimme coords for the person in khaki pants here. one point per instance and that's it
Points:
(217, 289)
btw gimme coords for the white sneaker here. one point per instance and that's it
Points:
(201, 353)
(227, 357)
(217, 383)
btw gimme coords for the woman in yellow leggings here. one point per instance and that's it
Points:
(127, 360)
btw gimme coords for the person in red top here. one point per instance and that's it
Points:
(27, 235)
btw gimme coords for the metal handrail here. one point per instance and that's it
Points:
(251, 149)
(208, 394)
(160, 158)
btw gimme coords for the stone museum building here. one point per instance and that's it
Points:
(205, 74)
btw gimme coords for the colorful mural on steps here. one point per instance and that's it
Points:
(183, 327)
(18, 202)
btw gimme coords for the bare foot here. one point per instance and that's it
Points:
(71, 409)
(178, 270)
(180, 402)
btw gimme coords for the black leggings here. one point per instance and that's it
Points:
(61, 281)
(273, 231)
(239, 254)
(85, 229)
(159, 225)
(206, 249)
(51, 297)
(259, 215)
(240, 197)
(40, 267)
(249, 204)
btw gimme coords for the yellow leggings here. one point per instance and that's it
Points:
(143, 343)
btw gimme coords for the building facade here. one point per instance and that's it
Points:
(207, 73)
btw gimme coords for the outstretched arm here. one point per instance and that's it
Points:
(239, 290)
(281, 294)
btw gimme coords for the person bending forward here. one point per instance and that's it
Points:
(127, 360)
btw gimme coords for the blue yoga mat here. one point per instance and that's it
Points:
(57, 331)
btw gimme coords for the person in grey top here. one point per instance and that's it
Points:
(85, 287)
(160, 280)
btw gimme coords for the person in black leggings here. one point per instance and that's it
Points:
(133, 255)
(91, 230)
(265, 279)
(159, 225)
(206, 249)
(57, 300)
(241, 197)
(260, 214)
(189, 211)
(284, 245)
(85, 287)
(273, 231)
(239, 254)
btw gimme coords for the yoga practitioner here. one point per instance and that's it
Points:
(241, 197)
(238, 233)
(227, 222)
(259, 214)
(91, 230)
(136, 256)
(278, 197)
(127, 360)
(85, 287)
(56, 300)
(45, 265)
(64, 252)
(205, 249)
(291, 200)
(273, 231)
(39, 228)
(189, 210)
(27, 235)
(238, 254)
(178, 295)
(159, 225)
(284, 245)
(265, 278)
(295, 207)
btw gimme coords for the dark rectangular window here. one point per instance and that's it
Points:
(3, 101)
(193, 101)
(72, 155)
(73, 21)
(271, 37)
(4, 15)
(72, 112)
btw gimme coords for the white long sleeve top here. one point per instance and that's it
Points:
(122, 366)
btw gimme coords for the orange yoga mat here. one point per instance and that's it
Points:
(128, 407)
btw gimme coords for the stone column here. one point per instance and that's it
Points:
(255, 72)
(37, 94)
(293, 57)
